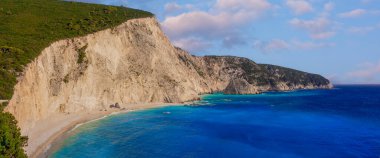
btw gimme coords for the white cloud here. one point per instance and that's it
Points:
(329, 6)
(198, 23)
(271, 46)
(299, 6)
(279, 45)
(361, 30)
(225, 15)
(221, 21)
(174, 7)
(192, 44)
(319, 28)
(315, 25)
(311, 45)
(323, 35)
(353, 13)
(366, 1)
(367, 71)
(257, 5)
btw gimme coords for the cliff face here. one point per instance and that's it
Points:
(247, 77)
(135, 63)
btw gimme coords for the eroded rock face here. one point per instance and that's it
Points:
(135, 63)
(243, 76)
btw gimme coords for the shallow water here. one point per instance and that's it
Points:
(343, 122)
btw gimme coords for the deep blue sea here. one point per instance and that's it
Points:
(343, 122)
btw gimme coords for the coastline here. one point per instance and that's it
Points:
(52, 131)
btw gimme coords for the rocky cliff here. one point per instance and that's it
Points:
(136, 63)
(247, 77)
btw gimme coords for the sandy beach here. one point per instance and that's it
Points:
(47, 131)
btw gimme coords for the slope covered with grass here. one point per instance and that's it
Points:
(29, 26)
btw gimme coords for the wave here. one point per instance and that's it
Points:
(105, 116)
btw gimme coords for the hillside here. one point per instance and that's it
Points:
(244, 76)
(29, 26)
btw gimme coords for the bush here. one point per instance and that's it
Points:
(11, 141)
(7, 82)
(82, 54)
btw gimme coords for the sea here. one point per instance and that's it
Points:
(343, 122)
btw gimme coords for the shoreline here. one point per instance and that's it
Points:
(53, 133)
(50, 135)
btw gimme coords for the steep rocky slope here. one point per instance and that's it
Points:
(135, 63)
(247, 77)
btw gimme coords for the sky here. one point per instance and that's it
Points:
(339, 39)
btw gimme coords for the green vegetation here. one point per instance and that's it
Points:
(11, 141)
(66, 79)
(294, 77)
(82, 54)
(29, 26)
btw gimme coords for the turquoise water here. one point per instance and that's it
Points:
(343, 122)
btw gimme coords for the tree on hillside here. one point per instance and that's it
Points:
(11, 141)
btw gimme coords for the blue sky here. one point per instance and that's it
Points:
(338, 39)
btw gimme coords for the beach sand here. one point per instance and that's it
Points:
(50, 130)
